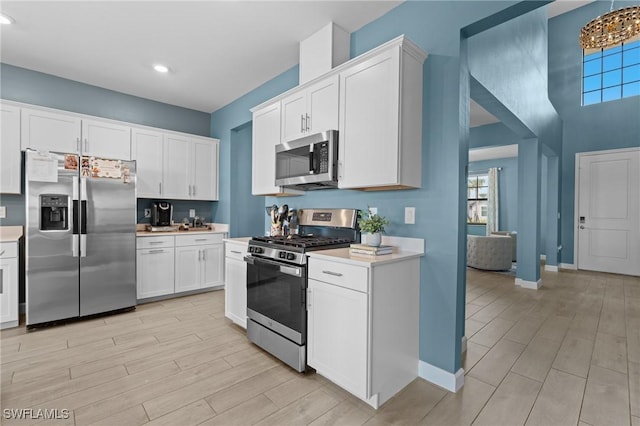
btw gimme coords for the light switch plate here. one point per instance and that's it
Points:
(410, 215)
(147, 212)
(373, 210)
(3, 212)
(192, 212)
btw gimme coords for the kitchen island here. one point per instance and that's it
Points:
(363, 319)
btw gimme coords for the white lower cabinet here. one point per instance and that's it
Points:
(363, 325)
(198, 261)
(235, 283)
(337, 330)
(8, 284)
(170, 265)
(154, 267)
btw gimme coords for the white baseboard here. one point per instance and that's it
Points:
(464, 344)
(568, 266)
(449, 381)
(551, 268)
(533, 285)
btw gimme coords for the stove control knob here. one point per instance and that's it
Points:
(291, 256)
(251, 249)
(282, 255)
(258, 250)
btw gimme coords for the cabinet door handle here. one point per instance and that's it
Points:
(160, 188)
(2, 252)
(301, 123)
(204, 255)
(156, 242)
(86, 145)
(308, 122)
(235, 252)
(335, 274)
(156, 251)
(194, 190)
(201, 239)
(189, 190)
(199, 255)
(309, 295)
(78, 144)
(2, 280)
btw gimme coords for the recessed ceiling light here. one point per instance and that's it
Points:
(161, 68)
(6, 19)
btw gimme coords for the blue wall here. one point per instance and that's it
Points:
(507, 193)
(609, 125)
(32, 87)
(246, 210)
(225, 123)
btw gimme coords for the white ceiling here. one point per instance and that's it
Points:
(217, 50)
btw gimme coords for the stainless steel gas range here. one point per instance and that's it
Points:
(277, 280)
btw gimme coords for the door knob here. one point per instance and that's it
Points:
(581, 226)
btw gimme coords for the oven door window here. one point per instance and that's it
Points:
(295, 162)
(277, 295)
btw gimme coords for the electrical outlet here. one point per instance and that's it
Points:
(3, 212)
(373, 210)
(410, 215)
(147, 212)
(192, 212)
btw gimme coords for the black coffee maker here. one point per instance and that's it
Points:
(161, 214)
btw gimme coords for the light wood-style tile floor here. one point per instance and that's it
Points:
(567, 354)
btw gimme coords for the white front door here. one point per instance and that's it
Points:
(608, 214)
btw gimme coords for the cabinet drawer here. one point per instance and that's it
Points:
(198, 239)
(154, 242)
(347, 276)
(235, 251)
(8, 250)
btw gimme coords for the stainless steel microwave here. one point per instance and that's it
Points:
(308, 163)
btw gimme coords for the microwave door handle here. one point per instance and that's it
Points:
(312, 166)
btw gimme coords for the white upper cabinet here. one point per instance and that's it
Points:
(381, 119)
(147, 150)
(266, 135)
(49, 131)
(52, 131)
(10, 159)
(104, 139)
(205, 158)
(190, 168)
(177, 171)
(311, 110)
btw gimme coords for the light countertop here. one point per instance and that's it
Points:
(10, 234)
(216, 228)
(241, 240)
(342, 255)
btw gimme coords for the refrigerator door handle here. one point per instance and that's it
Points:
(75, 245)
(83, 217)
(83, 245)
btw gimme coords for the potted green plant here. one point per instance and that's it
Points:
(372, 224)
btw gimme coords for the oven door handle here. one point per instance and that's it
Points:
(285, 269)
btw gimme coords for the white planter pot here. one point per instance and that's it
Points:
(374, 239)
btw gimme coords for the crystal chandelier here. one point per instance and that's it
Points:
(611, 28)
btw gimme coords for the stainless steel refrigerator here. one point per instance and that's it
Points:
(80, 236)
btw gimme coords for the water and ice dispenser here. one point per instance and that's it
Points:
(54, 212)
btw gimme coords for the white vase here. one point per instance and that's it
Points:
(374, 239)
